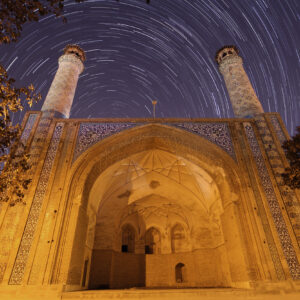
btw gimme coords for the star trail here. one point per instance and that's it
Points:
(165, 51)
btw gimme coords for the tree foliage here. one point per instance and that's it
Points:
(14, 157)
(291, 176)
(15, 13)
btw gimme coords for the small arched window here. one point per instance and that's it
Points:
(152, 241)
(179, 273)
(128, 239)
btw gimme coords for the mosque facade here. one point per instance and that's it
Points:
(152, 203)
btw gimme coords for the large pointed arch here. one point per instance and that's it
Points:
(89, 166)
(152, 136)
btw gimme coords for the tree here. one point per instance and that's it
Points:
(15, 13)
(291, 176)
(14, 157)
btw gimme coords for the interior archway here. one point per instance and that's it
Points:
(152, 241)
(174, 206)
(180, 277)
(102, 182)
(178, 238)
(128, 239)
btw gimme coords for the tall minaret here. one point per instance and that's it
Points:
(61, 93)
(244, 101)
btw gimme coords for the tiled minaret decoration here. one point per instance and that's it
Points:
(61, 93)
(244, 101)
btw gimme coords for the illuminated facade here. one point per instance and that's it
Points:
(120, 203)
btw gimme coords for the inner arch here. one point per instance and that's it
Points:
(153, 192)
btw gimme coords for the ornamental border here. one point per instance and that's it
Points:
(91, 133)
(28, 127)
(35, 209)
(280, 225)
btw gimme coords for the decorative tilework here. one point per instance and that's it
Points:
(91, 133)
(28, 127)
(279, 222)
(28, 235)
(217, 133)
(262, 212)
(27, 130)
(39, 140)
(24, 138)
(278, 129)
(278, 167)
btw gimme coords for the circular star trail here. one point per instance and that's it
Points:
(165, 51)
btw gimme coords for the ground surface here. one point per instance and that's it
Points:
(180, 294)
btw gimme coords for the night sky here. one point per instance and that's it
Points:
(138, 52)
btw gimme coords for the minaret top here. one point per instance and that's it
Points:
(225, 52)
(61, 93)
(75, 50)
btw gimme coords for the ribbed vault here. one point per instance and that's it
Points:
(157, 188)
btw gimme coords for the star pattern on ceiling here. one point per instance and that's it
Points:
(159, 162)
(154, 161)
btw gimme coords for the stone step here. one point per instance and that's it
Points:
(179, 294)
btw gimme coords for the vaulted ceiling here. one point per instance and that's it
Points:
(155, 188)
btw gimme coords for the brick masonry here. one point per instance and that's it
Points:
(242, 95)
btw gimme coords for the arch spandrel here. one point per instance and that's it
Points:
(202, 152)
(90, 134)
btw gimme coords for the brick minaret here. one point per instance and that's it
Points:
(242, 95)
(61, 93)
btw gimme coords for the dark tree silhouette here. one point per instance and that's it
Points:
(14, 157)
(291, 176)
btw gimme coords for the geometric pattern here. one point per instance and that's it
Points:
(24, 137)
(162, 210)
(153, 161)
(278, 129)
(39, 139)
(285, 240)
(217, 133)
(91, 133)
(29, 124)
(32, 220)
(288, 195)
(157, 161)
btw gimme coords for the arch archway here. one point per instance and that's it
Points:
(178, 238)
(179, 273)
(128, 239)
(152, 241)
(213, 167)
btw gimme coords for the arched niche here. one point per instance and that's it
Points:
(152, 241)
(128, 239)
(180, 273)
(83, 206)
(178, 238)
